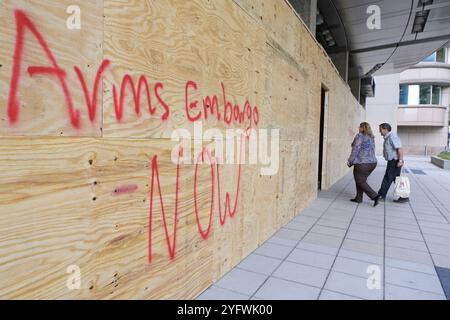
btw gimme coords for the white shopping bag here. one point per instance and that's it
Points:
(402, 188)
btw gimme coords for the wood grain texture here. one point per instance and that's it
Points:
(82, 196)
(173, 42)
(59, 194)
(43, 107)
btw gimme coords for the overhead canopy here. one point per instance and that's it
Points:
(392, 48)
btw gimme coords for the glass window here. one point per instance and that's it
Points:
(403, 99)
(419, 94)
(436, 99)
(430, 58)
(440, 55)
(413, 94)
(425, 94)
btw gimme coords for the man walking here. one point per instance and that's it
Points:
(393, 153)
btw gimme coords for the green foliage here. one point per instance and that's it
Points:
(444, 155)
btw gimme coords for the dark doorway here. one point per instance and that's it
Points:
(323, 108)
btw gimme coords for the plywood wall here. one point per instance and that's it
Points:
(76, 177)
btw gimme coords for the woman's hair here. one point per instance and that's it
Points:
(366, 129)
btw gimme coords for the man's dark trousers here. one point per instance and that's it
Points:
(392, 171)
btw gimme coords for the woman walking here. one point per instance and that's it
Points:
(364, 162)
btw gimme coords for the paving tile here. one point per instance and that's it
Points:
(354, 267)
(444, 277)
(399, 213)
(441, 261)
(402, 227)
(366, 237)
(440, 249)
(311, 213)
(371, 212)
(343, 218)
(366, 229)
(367, 207)
(436, 239)
(300, 226)
(374, 249)
(397, 207)
(342, 204)
(290, 234)
(404, 234)
(330, 295)
(360, 256)
(301, 273)
(316, 238)
(353, 286)
(435, 225)
(311, 241)
(406, 243)
(279, 289)
(328, 231)
(370, 217)
(315, 259)
(426, 212)
(282, 241)
(241, 281)
(368, 222)
(408, 255)
(304, 219)
(412, 266)
(329, 194)
(333, 223)
(402, 220)
(259, 264)
(273, 250)
(431, 218)
(216, 293)
(436, 232)
(413, 280)
(318, 248)
(320, 206)
(424, 208)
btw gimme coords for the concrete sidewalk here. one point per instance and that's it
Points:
(336, 249)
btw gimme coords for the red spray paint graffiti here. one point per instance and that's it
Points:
(230, 113)
(125, 189)
(171, 244)
(204, 234)
(22, 24)
(92, 104)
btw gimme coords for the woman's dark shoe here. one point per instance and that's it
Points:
(355, 200)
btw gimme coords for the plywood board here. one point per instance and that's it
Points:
(35, 34)
(177, 44)
(82, 196)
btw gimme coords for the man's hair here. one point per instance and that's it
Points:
(386, 126)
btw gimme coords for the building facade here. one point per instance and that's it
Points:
(93, 182)
(416, 104)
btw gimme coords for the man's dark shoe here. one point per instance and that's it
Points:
(355, 200)
(402, 200)
(377, 200)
